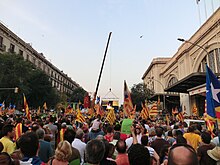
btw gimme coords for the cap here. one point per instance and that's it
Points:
(214, 153)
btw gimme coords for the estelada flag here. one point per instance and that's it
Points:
(26, 108)
(128, 106)
(212, 94)
(154, 110)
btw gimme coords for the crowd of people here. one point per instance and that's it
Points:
(60, 140)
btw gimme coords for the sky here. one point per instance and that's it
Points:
(72, 35)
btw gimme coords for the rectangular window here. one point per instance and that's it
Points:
(27, 57)
(12, 48)
(21, 52)
(1, 41)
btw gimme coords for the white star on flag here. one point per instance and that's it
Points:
(214, 93)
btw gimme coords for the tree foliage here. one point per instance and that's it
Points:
(78, 95)
(139, 94)
(34, 83)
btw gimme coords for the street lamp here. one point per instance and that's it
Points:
(183, 40)
(164, 100)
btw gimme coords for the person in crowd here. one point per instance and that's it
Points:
(45, 150)
(62, 155)
(170, 137)
(193, 138)
(203, 157)
(79, 144)
(182, 154)
(159, 142)
(122, 158)
(152, 152)
(164, 153)
(111, 155)
(96, 128)
(7, 139)
(104, 160)
(29, 145)
(117, 128)
(5, 159)
(62, 130)
(54, 130)
(215, 154)
(138, 155)
(109, 135)
(94, 152)
(180, 140)
(69, 136)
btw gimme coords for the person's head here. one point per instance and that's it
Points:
(181, 140)
(182, 154)
(121, 146)
(159, 131)
(191, 129)
(99, 116)
(69, 135)
(117, 127)
(144, 140)
(206, 137)
(138, 154)
(5, 159)
(63, 125)
(214, 153)
(8, 130)
(79, 133)
(94, 151)
(40, 133)
(109, 129)
(170, 133)
(28, 144)
(116, 135)
(63, 151)
(178, 132)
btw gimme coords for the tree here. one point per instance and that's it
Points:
(34, 83)
(139, 94)
(78, 95)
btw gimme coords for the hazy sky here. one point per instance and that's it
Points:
(72, 34)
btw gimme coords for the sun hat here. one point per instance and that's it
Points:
(214, 153)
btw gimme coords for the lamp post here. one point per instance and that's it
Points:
(183, 40)
(164, 100)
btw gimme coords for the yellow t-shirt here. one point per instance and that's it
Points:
(9, 146)
(193, 139)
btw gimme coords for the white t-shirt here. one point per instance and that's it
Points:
(96, 123)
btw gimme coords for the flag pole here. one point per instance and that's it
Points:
(100, 74)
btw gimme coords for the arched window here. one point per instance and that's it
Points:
(172, 81)
(213, 61)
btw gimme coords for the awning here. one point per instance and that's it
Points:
(190, 81)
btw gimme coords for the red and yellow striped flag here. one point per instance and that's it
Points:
(210, 122)
(26, 108)
(79, 117)
(111, 116)
(127, 106)
(18, 131)
(144, 112)
(153, 111)
(62, 131)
